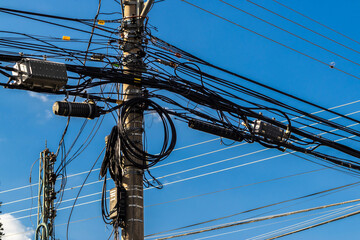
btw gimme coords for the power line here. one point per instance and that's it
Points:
(63, 201)
(319, 224)
(71, 188)
(253, 220)
(293, 34)
(262, 207)
(199, 155)
(241, 186)
(263, 225)
(195, 196)
(316, 21)
(57, 225)
(176, 149)
(194, 177)
(97, 169)
(268, 38)
(336, 212)
(298, 24)
(178, 180)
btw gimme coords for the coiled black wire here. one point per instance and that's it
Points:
(130, 149)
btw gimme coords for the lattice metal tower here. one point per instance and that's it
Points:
(46, 197)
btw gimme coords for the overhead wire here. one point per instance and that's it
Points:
(319, 224)
(262, 225)
(253, 220)
(97, 169)
(302, 26)
(332, 214)
(77, 196)
(313, 20)
(222, 117)
(293, 34)
(194, 196)
(262, 207)
(197, 176)
(304, 54)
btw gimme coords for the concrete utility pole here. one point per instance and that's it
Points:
(46, 197)
(132, 32)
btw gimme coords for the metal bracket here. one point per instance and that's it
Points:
(133, 171)
(135, 196)
(135, 206)
(134, 220)
(130, 2)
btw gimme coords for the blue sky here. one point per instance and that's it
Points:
(27, 122)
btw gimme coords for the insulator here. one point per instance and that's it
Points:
(73, 109)
(216, 130)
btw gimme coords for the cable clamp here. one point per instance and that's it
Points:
(136, 188)
(135, 206)
(130, 2)
(135, 196)
(133, 172)
(134, 220)
(133, 91)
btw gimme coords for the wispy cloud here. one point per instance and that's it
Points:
(14, 229)
(39, 96)
(48, 114)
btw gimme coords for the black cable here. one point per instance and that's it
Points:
(77, 196)
(258, 208)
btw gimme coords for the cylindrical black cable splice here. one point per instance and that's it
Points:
(72, 109)
(216, 130)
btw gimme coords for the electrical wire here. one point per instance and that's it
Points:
(258, 208)
(311, 19)
(253, 220)
(97, 169)
(302, 26)
(293, 34)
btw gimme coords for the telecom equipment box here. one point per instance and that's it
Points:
(34, 73)
(269, 131)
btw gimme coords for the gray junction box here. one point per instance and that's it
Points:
(34, 73)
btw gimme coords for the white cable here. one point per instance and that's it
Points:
(60, 209)
(200, 155)
(313, 124)
(67, 189)
(160, 177)
(213, 163)
(194, 177)
(256, 219)
(209, 173)
(239, 156)
(57, 225)
(97, 181)
(97, 169)
(67, 200)
(339, 106)
(222, 170)
(260, 226)
(333, 213)
(196, 144)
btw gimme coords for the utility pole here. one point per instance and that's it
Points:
(46, 197)
(132, 33)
